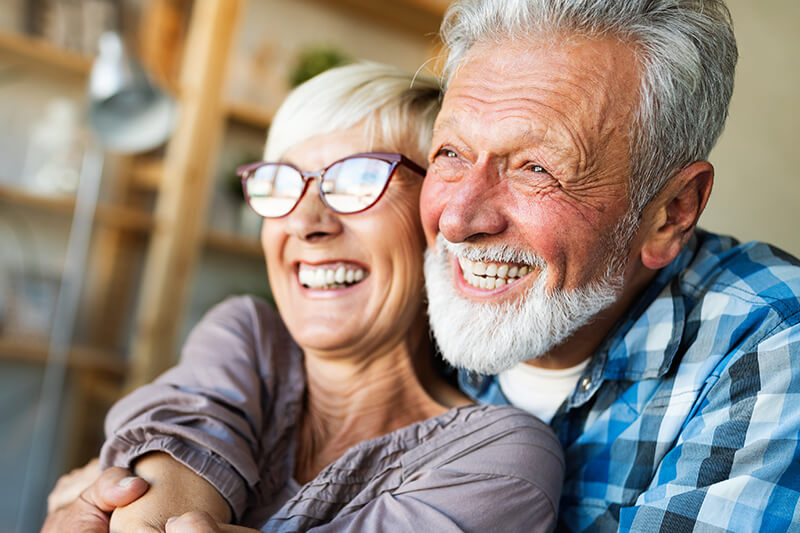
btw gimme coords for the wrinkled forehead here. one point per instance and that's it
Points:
(583, 83)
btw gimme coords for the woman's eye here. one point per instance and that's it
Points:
(447, 152)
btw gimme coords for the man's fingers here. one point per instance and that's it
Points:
(116, 487)
(70, 486)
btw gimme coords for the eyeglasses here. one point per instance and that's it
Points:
(349, 185)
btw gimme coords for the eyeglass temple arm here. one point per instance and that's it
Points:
(244, 169)
(413, 166)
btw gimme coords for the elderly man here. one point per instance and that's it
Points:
(567, 173)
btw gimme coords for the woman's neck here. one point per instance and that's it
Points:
(352, 399)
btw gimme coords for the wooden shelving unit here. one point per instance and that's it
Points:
(249, 114)
(147, 174)
(119, 216)
(81, 358)
(233, 243)
(39, 51)
(178, 181)
(35, 50)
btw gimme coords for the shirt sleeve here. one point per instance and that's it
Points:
(207, 411)
(736, 463)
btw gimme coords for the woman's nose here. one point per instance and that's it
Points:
(311, 219)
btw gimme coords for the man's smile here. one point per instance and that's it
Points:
(491, 275)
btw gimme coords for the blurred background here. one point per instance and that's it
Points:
(170, 236)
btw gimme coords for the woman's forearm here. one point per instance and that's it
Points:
(174, 490)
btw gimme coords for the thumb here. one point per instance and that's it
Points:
(116, 487)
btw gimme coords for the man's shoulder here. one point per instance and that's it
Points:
(746, 275)
(741, 302)
(718, 301)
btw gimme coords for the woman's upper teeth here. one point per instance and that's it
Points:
(490, 275)
(329, 276)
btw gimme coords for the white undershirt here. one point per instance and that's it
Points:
(539, 391)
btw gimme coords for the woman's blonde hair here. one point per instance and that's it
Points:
(399, 108)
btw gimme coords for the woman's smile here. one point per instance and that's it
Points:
(330, 276)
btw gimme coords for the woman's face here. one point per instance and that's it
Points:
(382, 247)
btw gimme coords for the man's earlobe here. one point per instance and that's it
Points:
(673, 214)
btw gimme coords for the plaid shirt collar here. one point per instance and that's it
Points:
(646, 339)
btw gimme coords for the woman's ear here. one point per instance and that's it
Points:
(671, 216)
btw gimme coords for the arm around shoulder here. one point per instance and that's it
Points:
(209, 411)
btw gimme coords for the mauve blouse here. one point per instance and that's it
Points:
(230, 409)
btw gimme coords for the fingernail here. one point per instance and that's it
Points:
(171, 519)
(126, 482)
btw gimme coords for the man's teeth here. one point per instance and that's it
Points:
(329, 277)
(490, 275)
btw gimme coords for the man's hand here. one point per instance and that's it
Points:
(69, 486)
(89, 513)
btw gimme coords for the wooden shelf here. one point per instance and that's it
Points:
(435, 7)
(250, 114)
(419, 17)
(81, 358)
(129, 219)
(230, 242)
(45, 53)
(147, 174)
(113, 215)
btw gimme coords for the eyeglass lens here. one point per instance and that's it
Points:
(348, 186)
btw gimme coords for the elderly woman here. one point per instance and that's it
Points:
(331, 415)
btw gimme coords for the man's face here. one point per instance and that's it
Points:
(528, 175)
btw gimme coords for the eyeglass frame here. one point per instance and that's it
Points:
(245, 172)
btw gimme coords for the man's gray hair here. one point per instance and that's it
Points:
(686, 50)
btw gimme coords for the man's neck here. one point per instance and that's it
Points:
(582, 344)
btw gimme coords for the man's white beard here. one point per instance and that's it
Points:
(490, 338)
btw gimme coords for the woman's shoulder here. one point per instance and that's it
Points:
(244, 307)
(514, 455)
(249, 316)
(507, 463)
(490, 439)
(249, 324)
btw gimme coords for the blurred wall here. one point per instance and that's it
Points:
(756, 192)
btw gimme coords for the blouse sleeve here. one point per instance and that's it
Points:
(208, 411)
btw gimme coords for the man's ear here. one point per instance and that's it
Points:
(671, 216)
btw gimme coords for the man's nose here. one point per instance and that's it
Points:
(311, 220)
(474, 207)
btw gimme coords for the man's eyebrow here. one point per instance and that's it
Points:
(447, 122)
(545, 141)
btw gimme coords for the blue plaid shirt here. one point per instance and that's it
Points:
(688, 415)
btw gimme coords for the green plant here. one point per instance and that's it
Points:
(315, 60)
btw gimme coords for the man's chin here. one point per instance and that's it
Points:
(492, 337)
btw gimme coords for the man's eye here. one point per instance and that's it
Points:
(537, 168)
(446, 152)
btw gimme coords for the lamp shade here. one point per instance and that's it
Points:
(127, 112)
